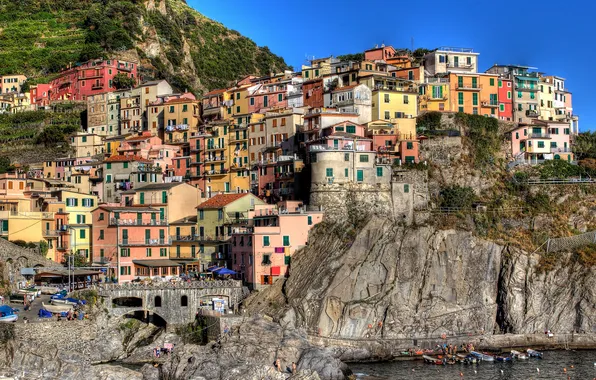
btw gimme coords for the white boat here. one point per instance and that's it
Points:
(57, 308)
(49, 289)
(519, 355)
(9, 318)
(7, 314)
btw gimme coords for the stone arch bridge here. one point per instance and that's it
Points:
(176, 304)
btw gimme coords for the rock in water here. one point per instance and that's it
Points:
(325, 363)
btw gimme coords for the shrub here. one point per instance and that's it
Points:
(538, 203)
(429, 121)
(484, 138)
(457, 197)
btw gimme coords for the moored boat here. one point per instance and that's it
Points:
(483, 357)
(7, 314)
(518, 355)
(534, 353)
(57, 308)
(501, 358)
(466, 359)
(433, 360)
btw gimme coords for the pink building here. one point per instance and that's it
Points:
(90, 78)
(180, 167)
(543, 140)
(268, 96)
(149, 147)
(262, 251)
(133, 241)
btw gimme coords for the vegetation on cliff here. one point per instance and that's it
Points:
(39, 38)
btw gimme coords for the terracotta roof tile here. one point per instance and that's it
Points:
(221, 200)
(126, 158)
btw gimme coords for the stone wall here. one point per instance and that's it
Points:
(441, 150)
(16, 258)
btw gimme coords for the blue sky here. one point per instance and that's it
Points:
(557, 37)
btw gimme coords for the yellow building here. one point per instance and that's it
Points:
(216, 157)
(396, 101)
(181, 117)
(238, 153)
(186, 246)
(112, 144)
(317, 69)
(240, 107)
(79, 207)
(434, 95)
(87, 144)
(475, 94)
(546, 94)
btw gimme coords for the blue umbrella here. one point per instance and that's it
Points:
(214, 268)
(224, 271)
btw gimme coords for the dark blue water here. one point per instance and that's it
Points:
(580, 365)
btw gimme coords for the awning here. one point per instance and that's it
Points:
(28, 271)
(224, 271)
(213, 269)
(522, 77)
(157, 263)
(121, 177)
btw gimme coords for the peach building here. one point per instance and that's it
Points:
(133, 242)
(262, 250)
(534, 143)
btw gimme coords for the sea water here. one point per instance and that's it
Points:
(564, 365)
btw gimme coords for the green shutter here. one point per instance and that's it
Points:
(329, 172)
(266, 241)
(164, 197)
(474, 82)
(460, 98)
(286, 240)
(310, 220)
(5, 225)
(359, 175)
(379, 171)
(475, 99)
(142, 198)
(346, 172)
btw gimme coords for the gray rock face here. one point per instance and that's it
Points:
(391, 282)
(325, 363)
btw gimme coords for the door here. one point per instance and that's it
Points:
(456, 61)
(147, 236)
(359, 175)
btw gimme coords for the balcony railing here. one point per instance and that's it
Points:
(51, 233)
(215, 147)
(129, 242)
(215, 159)
(137, 222)
(526, 87)
(469, 86)
(561, 150)
(539, 136)
(531, 113)
(490, 104)
(215, 172)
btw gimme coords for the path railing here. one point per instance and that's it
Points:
(169, 285)
(571, 242)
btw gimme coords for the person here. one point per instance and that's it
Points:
(293, 368)
(25, 320)
(278, 365)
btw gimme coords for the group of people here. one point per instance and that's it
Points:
(167, 350)
(278, 367)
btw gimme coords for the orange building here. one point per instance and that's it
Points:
(475, 94)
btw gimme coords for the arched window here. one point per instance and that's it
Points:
(184, 301)
(157, 301)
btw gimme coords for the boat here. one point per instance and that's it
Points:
(7, 314)
(466, 359)
(49, 290)
(501, 358)
(483, 357)
(433, 360)
(534, 353)
(56, 309)
(518, 355)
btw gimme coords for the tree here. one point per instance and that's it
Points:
(43, 247)
(5, 165)
(78, 260)
(584, 145)
(121, 80)
(457, 197)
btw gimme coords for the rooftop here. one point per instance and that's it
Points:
(128, 208)
(159, 186)
(128, 158)
(221, 200)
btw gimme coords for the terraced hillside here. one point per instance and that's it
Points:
(173, 41)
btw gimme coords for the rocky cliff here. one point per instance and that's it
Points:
(387, 281)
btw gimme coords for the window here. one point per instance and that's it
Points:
(163, 252)
(460, 81)
(387, 115)
(265, 241)
(157, 301)
(184, 299)
(553, 144)
(82, 234)
(475, 99)
(266, 260)
(517, 135)
(519, 94)
(274, 123)
(540, 144)
(364, 158)
(148, 252)
(237, 109)
(124, 252)
(492, 81)
(329, 172)
(142, 198)
(406, 188)
(306, 74)
(410, 75)
(164, 197)
(201, 215)
(101, 216)
(346, 172)
(379, 171)
(346, 156)
(460, 98)
(220, 214)
(500, 83)
(406, 100)
(280, 97)
(171, 109)
(124, 271)
(101, 237)
(566, 131)
(286, 241)
(108, 166)
(309, 220)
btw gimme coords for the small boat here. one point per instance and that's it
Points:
(7, 314)
(483, 357)
(466, 359)
(534, 353)
(433, 360)
(49, 290)
(518, 355)
(501, 358)
(56, 309)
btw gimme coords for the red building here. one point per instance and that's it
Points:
(505, 100)
(312, 91)
(90, 78)
(40, 95)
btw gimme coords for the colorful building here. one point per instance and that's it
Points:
(12, 83)
(262, 249)
(121, 173)
(475, 94)
(447, 59)
(505, 96)
(133, 242)
(525, 90)
(542, 140)
(90, 78)
(215, 219)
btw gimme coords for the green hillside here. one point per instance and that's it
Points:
(39, 37)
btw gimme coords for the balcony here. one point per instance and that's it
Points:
(234, 139)
(284, 176)
(214, 173)
(468, 87)
(532, 113)
(238, 127)
(62, 247)
(215, 158)
(525, 87)
(97, 86)
(561, 150)
(218, 256)
(236, 167)
(539, 136)
(51, 233)
(215, 147)
(137, 222)
(150, 242)
(489, 104)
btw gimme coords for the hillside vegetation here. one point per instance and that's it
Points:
(175, 42)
